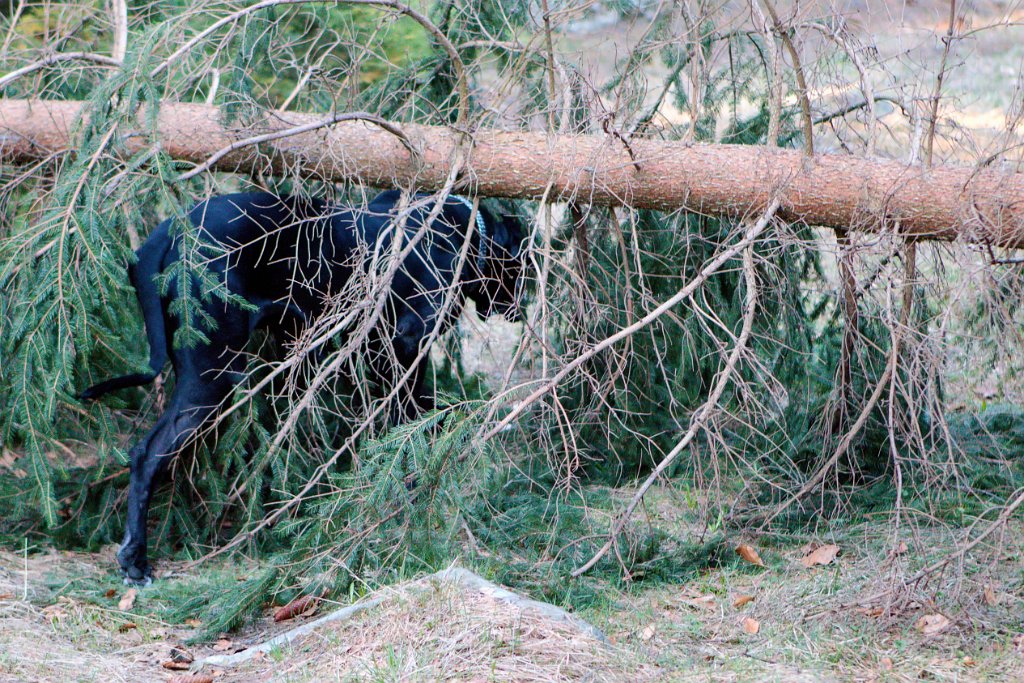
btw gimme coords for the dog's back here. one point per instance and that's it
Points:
(267, 248)
(284, 256)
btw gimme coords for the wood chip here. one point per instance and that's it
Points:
(176, 666)
(305, 605)
(702, 602)
(222, 645)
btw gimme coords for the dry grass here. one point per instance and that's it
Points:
(846, 621)
(43, 639)
(843, 621)
(446, 632)
(422, 631)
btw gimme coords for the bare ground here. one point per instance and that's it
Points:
(60, 620)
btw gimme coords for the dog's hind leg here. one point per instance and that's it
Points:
(149, 458)
(199, 391)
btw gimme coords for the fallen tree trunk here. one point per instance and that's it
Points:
(975, 204)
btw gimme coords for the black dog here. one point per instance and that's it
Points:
(285, 256)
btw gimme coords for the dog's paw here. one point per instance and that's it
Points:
(138, 583)
(136, 575)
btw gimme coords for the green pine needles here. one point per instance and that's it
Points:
(355, 500)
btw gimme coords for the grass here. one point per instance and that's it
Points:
(850, 620)
(843, 621)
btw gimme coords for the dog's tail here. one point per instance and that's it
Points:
(142, 274)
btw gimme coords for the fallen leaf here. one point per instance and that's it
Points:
(6, 596)
(648, 633)
(991, 599)
(702, 602)
(110, 593)
(822, 555)
(192, 678)
(741, 600)
(127, 626)
(901, 548)
(748, 553)
(751, 625)
(176, 666)
(932, 624)
(870, 611)
(305, 605)
(54, 612)
(222, 645)
(886, 663)
(127, 600)
(194, 623)
(968, 661)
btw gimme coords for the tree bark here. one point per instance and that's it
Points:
(975, 204)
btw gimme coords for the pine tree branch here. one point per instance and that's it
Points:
(704, 413)
(57, 58)
(422, 20)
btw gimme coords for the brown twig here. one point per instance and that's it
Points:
(57, 58)
(801, 82)
(947, 42)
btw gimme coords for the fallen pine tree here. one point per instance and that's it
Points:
(984, 204)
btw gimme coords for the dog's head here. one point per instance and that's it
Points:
(501, 285)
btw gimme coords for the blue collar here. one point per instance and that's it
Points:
(481, 227)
